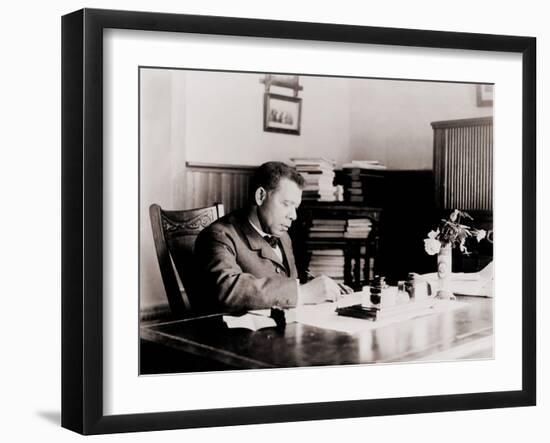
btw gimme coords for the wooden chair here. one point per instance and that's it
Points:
(174, 233)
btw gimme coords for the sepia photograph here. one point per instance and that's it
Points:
(312, 221)
(282, 113)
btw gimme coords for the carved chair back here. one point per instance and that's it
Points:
(174, 233)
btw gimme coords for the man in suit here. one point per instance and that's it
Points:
(245, 261)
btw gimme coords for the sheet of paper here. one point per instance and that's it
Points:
(465, 286)
(325, 316)
(471, 283)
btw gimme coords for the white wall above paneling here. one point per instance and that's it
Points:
(342, 119)
(225, 120)
(390, 120)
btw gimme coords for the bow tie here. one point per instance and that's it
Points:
(273, 241)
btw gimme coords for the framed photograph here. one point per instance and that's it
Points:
(485, 95)
(395, 148)
(282, 113)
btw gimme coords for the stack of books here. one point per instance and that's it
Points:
(329, 262)
(318, 173)
(327, 228)
(361, 262)
(364, 164)
(362, 181)
(358, 228)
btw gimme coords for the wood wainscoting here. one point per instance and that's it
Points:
(463, 164)
(208, 183)
(463, 172)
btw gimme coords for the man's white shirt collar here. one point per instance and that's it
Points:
(276, 249)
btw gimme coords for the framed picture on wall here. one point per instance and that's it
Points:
(123, 151)
(485, 95)
(282, 113)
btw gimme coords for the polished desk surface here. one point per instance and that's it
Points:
(464, 333)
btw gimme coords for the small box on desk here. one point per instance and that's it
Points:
(377, 312)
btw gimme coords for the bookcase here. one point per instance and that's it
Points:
(352, 251)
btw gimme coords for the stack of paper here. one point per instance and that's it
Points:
(473, 283)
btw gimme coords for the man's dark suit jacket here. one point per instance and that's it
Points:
(236, 269)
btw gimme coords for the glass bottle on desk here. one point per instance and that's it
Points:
(402, 293)
(410, 285)
(416, 287)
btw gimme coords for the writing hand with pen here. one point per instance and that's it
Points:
(320, 289)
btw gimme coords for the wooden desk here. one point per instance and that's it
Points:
(460, 334)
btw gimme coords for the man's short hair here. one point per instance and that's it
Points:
(269, 175)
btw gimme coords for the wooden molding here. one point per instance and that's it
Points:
(219, 167)
(480, 121)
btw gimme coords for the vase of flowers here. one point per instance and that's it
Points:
(451, 233)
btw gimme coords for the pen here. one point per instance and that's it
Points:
(343, 288)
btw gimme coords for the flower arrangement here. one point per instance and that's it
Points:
(452, 232)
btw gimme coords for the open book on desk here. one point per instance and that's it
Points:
(250, 320)
(261, 318)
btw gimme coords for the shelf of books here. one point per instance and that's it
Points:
(363, 182)
(336, 231)
(339, 240)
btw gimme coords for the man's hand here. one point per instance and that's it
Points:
(344, 289)
(318, 290)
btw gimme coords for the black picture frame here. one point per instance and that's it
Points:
(82, 218)
(287, 121)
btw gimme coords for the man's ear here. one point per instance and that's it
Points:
(260, 196)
